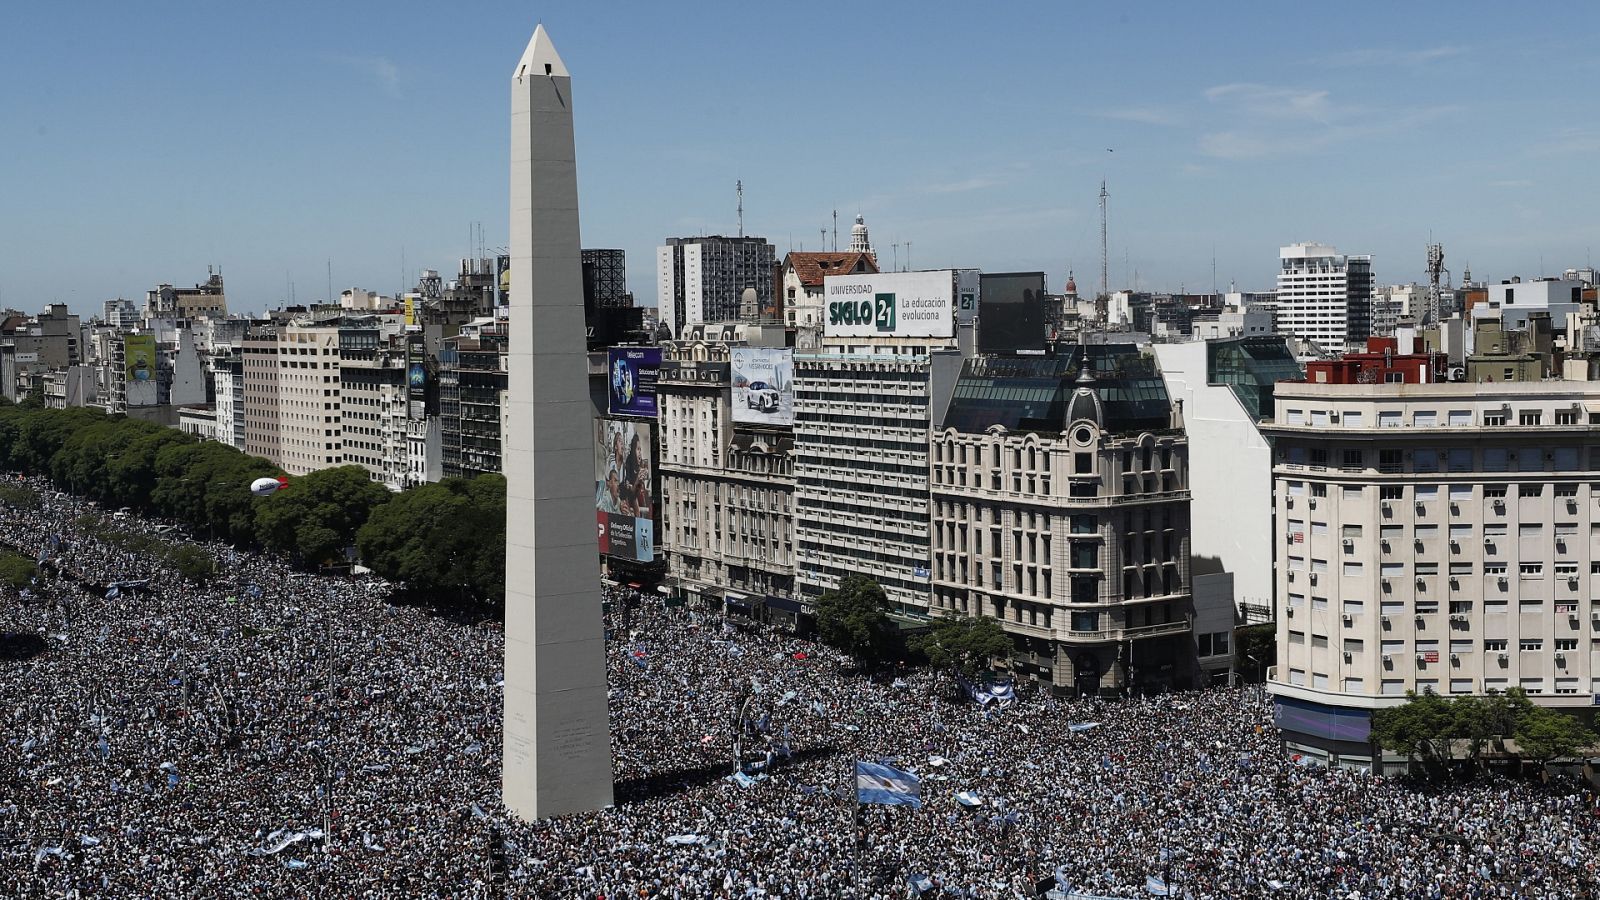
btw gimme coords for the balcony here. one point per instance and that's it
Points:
(1141, 632)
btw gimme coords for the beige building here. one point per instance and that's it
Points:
(1072, 528)
(259, 362)
(727, 490)
(1438, 537)
(310, 423)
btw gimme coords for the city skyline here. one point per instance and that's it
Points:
(279, 144)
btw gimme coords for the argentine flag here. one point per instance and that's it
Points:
(887, 785)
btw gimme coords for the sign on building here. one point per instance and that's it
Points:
(763, 386)
(631, 380)
(623, 498)
(890, 304)
(139, 368)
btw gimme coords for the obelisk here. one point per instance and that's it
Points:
(557, 751)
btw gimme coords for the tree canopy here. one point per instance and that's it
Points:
(317, 517)
(1430, 729)
(855, 619)
(966, 644)
(445, 537)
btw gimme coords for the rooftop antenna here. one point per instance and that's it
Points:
(896, 246)
(1213, 272)
(738, 187)
(836, 231)
(1435, 298)
(1105, 279)
(908, 256)
(824, 244)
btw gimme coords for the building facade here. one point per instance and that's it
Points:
(472, 382)
(1436, 538)
(372, 385)
(702, 279)
(310, 420)
(258, 354)
(1324, 295)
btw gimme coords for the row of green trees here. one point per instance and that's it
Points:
(854, 619)
(445, 540)
(1441, 732)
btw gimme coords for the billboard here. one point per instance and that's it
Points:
(624, 499)
(890, 304)
(763, 386)
(139, 358)
(631, 382)
(1012, 320)
(417, 377)
(502, 281)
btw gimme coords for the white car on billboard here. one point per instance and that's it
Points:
(762, 397)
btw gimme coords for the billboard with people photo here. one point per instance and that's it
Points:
(624, 500)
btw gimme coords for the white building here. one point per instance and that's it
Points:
(1225, 389)
(1435, 537)
(1512, 302)
(701, 279)
(227, 380)
(1324, 296)
(310, 420)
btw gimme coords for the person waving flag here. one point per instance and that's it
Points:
(887, 786)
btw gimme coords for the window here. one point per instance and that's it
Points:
(1566, 643)
(1389, 419)
(1493, 491)
(1352, 568)
(1494, 646)
(1353, 645)
(1353, 686)
(1494, 418)
(1530, 490)
(1394, 686)
(1352, 459)
(1083, 463)
(1425, 418)
(1460, 417)
(1461, 685)
(1530, 645)
(1297, 637)
(1528, 417)
(1353, 607)
(1391, 492)
(1319, 490)
(1566, 417)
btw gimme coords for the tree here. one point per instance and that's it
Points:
(1257, 647)
(854, 619)
(16, 570)
(18, 496)
(192, 562)
(1424, 727)
(1544, 734)
(317, 516)
(442, 538)
(965, 645)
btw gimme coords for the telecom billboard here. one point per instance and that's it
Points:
(631, 380)
(763, 386)
(624, 500)
(890, 304)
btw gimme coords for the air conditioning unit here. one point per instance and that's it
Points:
(1455, 658)
(1419, 618)
(1457, 617)
(1384, 619)
(1347, 656)
(1504, 581)
(1455, 544)
(1421, 585)
(1455, 582)
(1422, 659)
(1488, 541)
(1561, 658)
(1499, 504)
(1288, 502)
(1504, 656)
(1384, 505)
(1313, 578)
(1455, 508)
(1572, 581)
(1595, 615)
(1348, 543)
(1289, 611)
(1387, 658)
(1312, 502)
(1288, 537)
(1384, 582)
(1384, 543)
(1349, 619)
(1291, 574)
(1421, 509)
(1572, 504)
(1418, 543)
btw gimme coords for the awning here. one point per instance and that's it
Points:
(1592, 406)
(783, 603)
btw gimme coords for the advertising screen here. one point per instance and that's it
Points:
(890, 304)
(763, 386)
(631, 380)
(623, 496)
(1012, 317)
(502, 284)
(139, 358)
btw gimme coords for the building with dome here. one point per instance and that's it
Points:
(1060, 497)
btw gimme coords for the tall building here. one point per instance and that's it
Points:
(168, 302)
(310, 420)
(227, 377)
(120, 313)
(472, 381)
(605, 278)
(259, 356)
(801, 279)
(1225, 389)
(556, 755)
(1060, 507)
(1324, 296)
(727, 477)
(1436, 538)
(373, 399)
(702, 279)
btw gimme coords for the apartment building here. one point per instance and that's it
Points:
(1324, 296)
(260, 375)
(1060, 507)
(310, 421)
(373, 400)
(1434, 537)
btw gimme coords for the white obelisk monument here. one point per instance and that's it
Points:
(557, 752)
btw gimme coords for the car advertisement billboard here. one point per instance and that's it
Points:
(763, 386)
(631, 382)
(624, 500)
(889, 304)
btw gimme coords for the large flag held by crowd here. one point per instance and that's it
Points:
(887, 786)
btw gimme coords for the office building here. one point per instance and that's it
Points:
(472, 382)
(168, 302)
(373, 398)
(260, 374)
(702, 279)
(1324, 296)
(310, 420)
(1436, 538)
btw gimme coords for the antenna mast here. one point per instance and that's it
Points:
(738, 186)
(1435, 297)
(836, 231)
(1105, 282)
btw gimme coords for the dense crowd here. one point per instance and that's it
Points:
(272, 734)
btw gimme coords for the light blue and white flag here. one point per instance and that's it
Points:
(887, 785)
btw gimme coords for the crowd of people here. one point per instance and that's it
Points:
(274, 734)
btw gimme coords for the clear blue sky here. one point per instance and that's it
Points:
(142, 142)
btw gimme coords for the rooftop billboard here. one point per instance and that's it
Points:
(763, 386)
(631, 380)
(890, 304)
